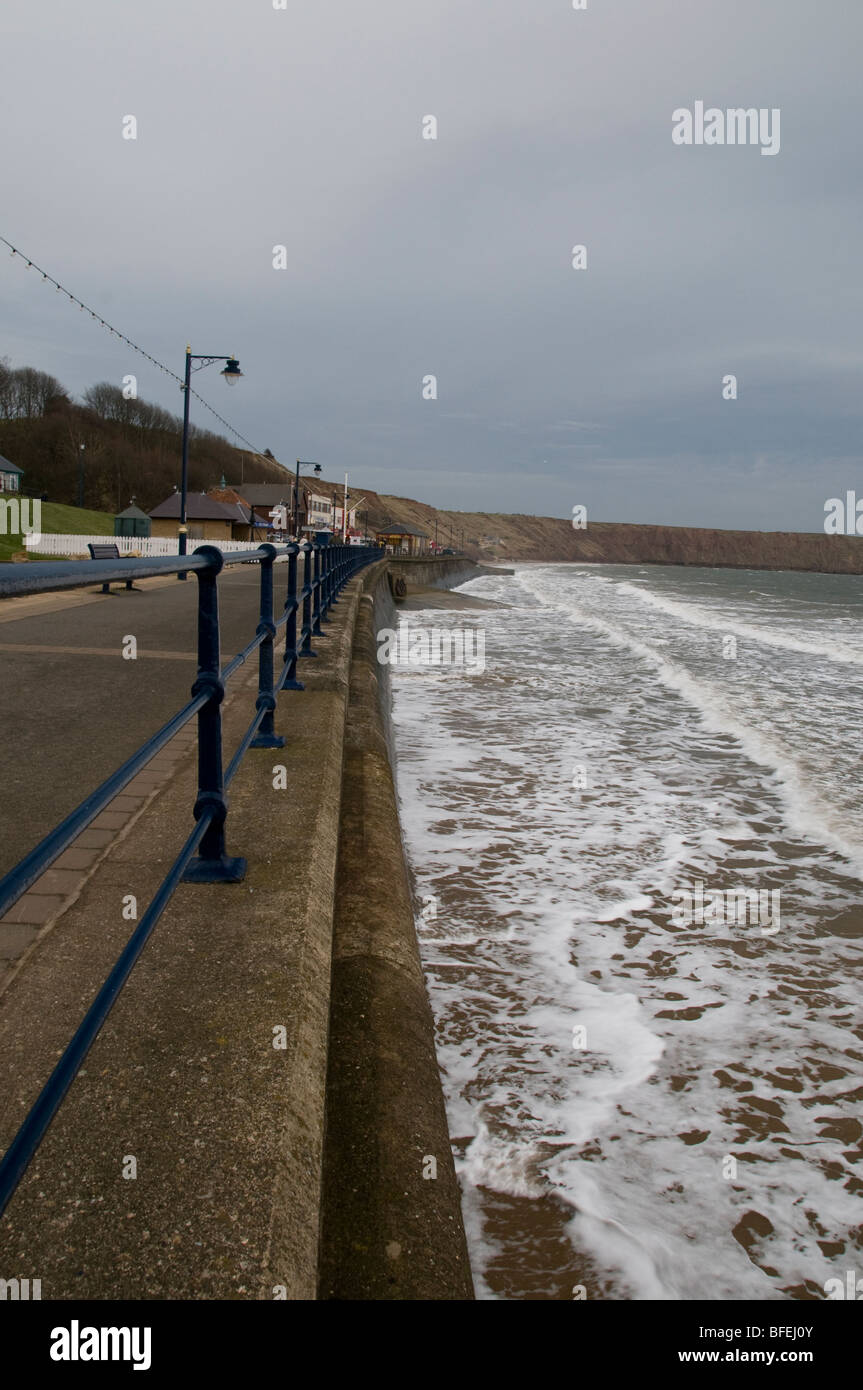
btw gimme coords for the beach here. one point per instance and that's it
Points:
(644, 1107)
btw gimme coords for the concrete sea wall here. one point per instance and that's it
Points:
(443, 573)
(392, 1225)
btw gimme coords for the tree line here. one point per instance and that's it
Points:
(131, 446)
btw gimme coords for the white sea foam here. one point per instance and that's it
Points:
(810, 811)
(700, 616)
(552, 916)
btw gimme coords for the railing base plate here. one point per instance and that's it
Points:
(224, 870)
(267, 741)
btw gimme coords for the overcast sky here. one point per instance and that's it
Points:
(302, 127)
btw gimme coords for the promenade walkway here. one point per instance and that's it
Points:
(225, 1129)
(187, 1160)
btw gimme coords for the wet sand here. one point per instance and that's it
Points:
(419, 599)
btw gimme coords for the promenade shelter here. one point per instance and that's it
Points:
(402, 540)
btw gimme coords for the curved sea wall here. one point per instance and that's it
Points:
(391, 1218)
(443, 573)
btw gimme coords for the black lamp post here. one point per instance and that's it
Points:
(231, 372)
(296, 507)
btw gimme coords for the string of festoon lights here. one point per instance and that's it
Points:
(85, 308)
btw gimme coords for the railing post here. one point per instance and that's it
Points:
(321, 580)
(332, 587)
(266, 736)
(326, 583)
(306, 646)
(291, 605)
(316, 623)
(212, 865)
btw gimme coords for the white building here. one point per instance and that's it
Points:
(327, 513)
(319, 513)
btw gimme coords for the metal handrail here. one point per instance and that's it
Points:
(326, 569)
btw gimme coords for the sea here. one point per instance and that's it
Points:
(653, 1085)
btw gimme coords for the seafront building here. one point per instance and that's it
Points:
(206, 519)
(245, 512)
(402, 540)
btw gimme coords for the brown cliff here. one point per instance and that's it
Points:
(496, 536)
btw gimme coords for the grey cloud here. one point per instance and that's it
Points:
(407, 257)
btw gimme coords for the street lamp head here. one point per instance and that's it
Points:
(232, 371)
(317, 468)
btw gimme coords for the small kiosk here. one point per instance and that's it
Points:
(132, 522)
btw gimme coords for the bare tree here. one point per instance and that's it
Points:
(6, 392)
(32, 392)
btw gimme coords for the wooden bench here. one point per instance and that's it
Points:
(108, 551)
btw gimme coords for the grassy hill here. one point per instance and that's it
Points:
(59, 519)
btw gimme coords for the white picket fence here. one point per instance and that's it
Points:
(127, 545)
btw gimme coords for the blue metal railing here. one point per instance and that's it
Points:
(204, 857)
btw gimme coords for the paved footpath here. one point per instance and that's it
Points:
(77, 708)
(187, 1160)
(209, 1076)
(74, 709)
